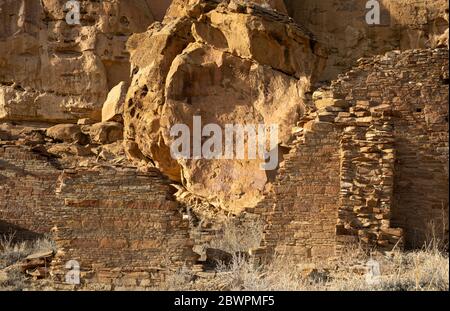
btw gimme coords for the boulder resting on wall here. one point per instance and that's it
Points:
(228, 63)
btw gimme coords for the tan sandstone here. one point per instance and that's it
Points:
(229, 64)
(53, 71)
(341, 26)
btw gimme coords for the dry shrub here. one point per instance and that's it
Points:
(423, 270)
(11, 253)
(179, 280)
(239, 235)
(13, 280)
(420, 270)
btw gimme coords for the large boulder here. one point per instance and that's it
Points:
(187, 7)
(228, 63)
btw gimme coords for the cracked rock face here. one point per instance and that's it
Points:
(342, 27)
(229, 64)
(55, 72)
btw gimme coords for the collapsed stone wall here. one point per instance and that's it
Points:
(368, 163)
(413, 86)
(372, 165)
(121, 225)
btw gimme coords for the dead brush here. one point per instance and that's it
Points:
(426, 269)
(238, 235)
(12, 253)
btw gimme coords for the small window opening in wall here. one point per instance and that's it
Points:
(419, 109)
(445, 81)
(446, 119)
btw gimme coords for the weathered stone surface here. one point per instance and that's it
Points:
(342, 27)
(106, 132)
(113, 107)
(365, 157)
(69, 150)
(53, 71)
(118, 222)
(67, 133)
(86, 121)
(232, 64)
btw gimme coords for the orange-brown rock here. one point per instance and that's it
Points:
(106, 132)
(229, 64)
(363, 158)
(67, 133)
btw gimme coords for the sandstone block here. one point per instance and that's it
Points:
(106, 132)
(113, 107)
(227, 64)
(67, 133)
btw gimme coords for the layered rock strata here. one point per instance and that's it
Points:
(54, 70)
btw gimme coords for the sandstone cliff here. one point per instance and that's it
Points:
(53, 71)
(169, 88)
(342, 27)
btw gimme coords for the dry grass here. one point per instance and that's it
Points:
(424, 270)
(421, 270)
(11, 253)
(238, 235)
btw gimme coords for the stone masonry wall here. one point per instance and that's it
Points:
(27, 196)
(371, 164)
(121, 225)
(413, 88)
(301, 208)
